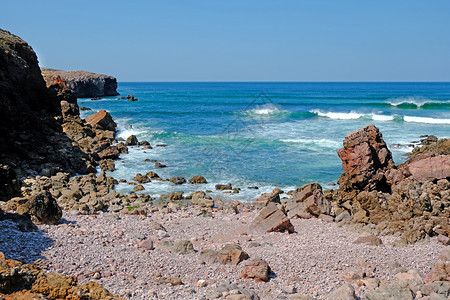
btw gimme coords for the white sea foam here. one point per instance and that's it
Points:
(352, 115)
(268, 109)
(319, 142)
(425, 120)
(337, 115)
(377, 117)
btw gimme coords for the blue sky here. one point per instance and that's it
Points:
(245, 40)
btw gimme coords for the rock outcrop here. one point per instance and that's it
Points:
(412, 198)
(31, 115)
(83, 84)
(22, 281)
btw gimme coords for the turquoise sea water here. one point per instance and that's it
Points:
(265, 134)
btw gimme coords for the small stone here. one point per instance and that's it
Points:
(201, 283)
(369, 240)
(289, 289)
(146, 244)
(97, 275)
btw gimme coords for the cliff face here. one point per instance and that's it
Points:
(83, 84)
(31, 136)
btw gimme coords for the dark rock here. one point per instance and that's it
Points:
(132, 140)
(85, 108)
(9, 184)
(222, 187)
(141, 178)
(107, 165)
(159, 165)
(197, 179)
(41, 208)
(153, 175)
(177, 180)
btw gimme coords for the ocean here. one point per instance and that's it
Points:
(264, 135)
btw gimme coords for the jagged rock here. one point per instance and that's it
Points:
(141, 178)
(266, 198)
(159, 165)
(111, 152)
(132, 140)
(107, 165)
(153, 175)
(103, 119)
(230, 254)
(83, 84)
(177, 180)
(40, 207)
(222, 187)
(307, 201)
(21, 281)
(256, 269)
(271, 219)
(197, 179)
(437, 147)
(176, 196)
(364, 158)
(138, 187)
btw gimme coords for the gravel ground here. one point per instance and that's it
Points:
(105, 248)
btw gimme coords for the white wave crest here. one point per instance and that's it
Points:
(417, 101)
(126, 131)
(425, 120)
(337, 115)
(266, 110)
(377, 117)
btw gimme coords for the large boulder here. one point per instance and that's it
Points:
(430, 167)
(230, 254)
(103, 119)
(267, 198)
(271, 219)
(365, 157)
(41, 207)
(256, 269)
(307, 201)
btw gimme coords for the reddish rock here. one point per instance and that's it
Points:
(308, 201)
(230, 254)
(103, 119)
(369, 240)
(441, 272)
(364, 153)
(269, 219)
(256, 269)
(430, 167)
(266, 198)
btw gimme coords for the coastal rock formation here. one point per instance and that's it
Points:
(83, 84)
(31, 138)
(412, 198)
(22, 281)
(365, 157)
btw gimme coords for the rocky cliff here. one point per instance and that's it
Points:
(83, 84)
(31, 137)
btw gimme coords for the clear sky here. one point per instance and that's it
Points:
(239, 40)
